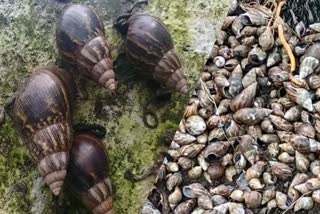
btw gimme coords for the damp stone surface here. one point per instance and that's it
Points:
(27, 41)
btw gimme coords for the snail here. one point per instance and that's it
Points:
(88, 174)
(80, 37)
(150, 46)
(42, 115)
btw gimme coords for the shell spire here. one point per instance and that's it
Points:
(149, 45)
(42, 116)
(80, 37)
(88, 174)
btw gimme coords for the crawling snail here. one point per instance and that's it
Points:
(150, 47)
(81, 38)
(88, 174)
(42, 115)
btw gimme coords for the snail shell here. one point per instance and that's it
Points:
(269, 179)
(253, 17)
(150, 46)
(293, 114)
(216, 170)
(251, 116)
(307, 67)
(266, 126)
(185, 163)
(315, 27)
(300, 96)
(223, 107)
(237, 195)
(194, 190)
(185, 207)
(241, 51)
(278, 76)
(227, 22)
(268, 195)
(281, 170)
(42, 117)
(175, 197)
(249, 31)
(218, 199)
(244, 99)
(249, 78)
(316, 196)
(305, 129)
(280, 123)
(205, 202)
(223, 190)
(304, 144)
(273, 58)
(81, 38)
(314, 81)
(233, 41)
(216, 149)
(304, 203)
(89, 175)
(257, 56)
(302, 163)
(235, 81)
(269, 138)
(252, 199)
(310, 185)
(249, 41)
(266, 40)
(236, 27)
(282, 200)
(174, 180)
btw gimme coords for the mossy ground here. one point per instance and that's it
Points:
(27, 41)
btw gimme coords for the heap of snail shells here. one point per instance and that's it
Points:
(250, 136)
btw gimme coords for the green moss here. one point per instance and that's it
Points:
(16, 176)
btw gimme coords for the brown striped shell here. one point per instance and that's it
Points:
(150, 47)
(42, 115)
(88, 174)
(81, 38)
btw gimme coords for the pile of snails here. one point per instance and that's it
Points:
(249, 141)
(43, 108)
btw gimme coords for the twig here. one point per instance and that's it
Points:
(280, 5)
(287, 47)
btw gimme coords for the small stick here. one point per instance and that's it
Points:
(280, 5)
(287, 48)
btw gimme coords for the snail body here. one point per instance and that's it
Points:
(149, 46)
(42, 117)
(80, 37)
(88, 173)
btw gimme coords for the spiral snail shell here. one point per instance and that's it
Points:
(80, 37)
(42, 116)
(149, 45)
(88, 174)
